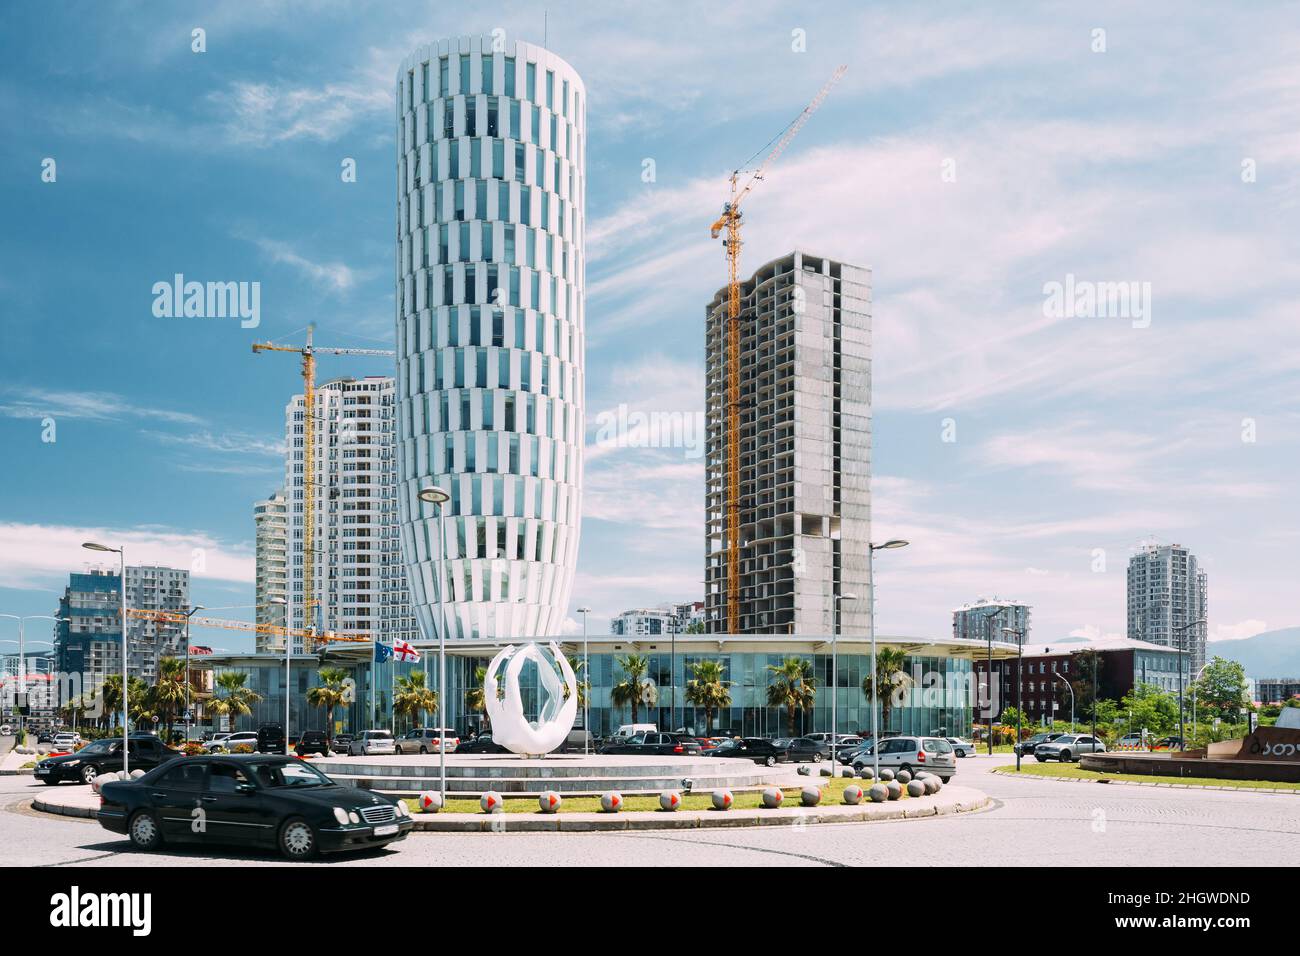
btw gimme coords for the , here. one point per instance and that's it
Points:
(264, 801)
